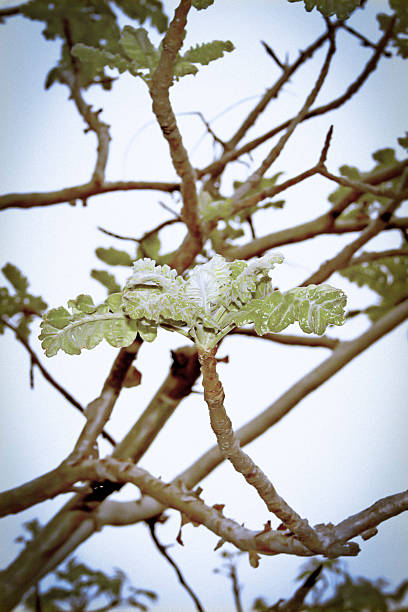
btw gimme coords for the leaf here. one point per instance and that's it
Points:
(201, 4)
(208, 52)
(15, 277)
(85, 327)
(106, 279)
(314, 307)
(114, 257)
(341, 8)
(136, 44)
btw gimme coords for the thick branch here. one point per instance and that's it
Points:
(242, 463)
(159, 91)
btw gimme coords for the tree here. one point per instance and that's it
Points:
(214, 281)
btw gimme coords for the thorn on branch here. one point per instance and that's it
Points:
(323, 154)
(273, 55)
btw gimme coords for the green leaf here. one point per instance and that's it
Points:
(201, 4)
(341, 8)
(106, 279)
(208, 52)
(313, 307)
(114, 257)
(85, 327)
(387, 277)
(136, 44)
(15, 277)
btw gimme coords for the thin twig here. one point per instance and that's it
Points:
(151, 523)
(35, 360)
(363, 39)
(273, 55)
(145, 235)
(273, 92)
(253, 180)
(321, 341)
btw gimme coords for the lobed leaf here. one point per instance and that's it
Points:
(208, 52)
(85, 326)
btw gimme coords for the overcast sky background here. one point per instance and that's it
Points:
(341, 448)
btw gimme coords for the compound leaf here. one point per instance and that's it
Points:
(85, 327)
(314, 307)
(208, 52)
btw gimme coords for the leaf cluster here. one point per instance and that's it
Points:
(214, 298)
(136, 54)
(21, 305)
(387, 277)
(92, 23)
(368, 203)
(80, 586)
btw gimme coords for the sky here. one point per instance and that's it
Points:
(344, 446)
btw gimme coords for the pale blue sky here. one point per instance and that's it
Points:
(344, 446)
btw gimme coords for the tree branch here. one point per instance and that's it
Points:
(273, 91)
(256, 176)
(218, 166)
(320, 341)
(342, 259)
(242, 463)
(151, 523)
(79, 192)
(328, 223)
(159, 91)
